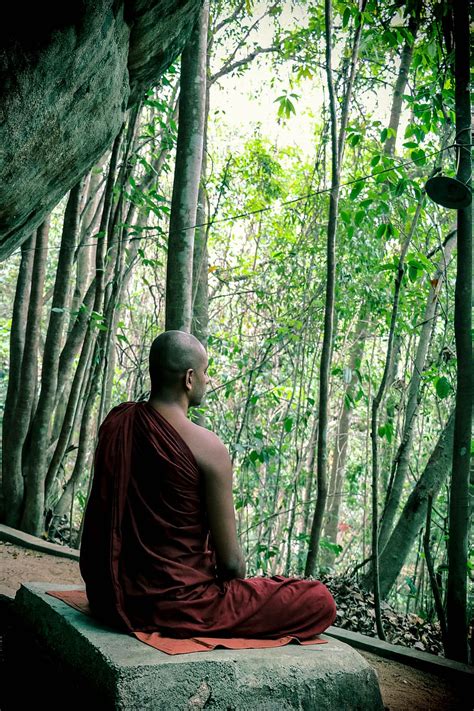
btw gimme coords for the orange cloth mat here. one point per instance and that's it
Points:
(78, 600)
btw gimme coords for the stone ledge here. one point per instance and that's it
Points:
(131, 675)
(13, 535)
(405, 655)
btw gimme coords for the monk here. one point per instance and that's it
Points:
(160, 551)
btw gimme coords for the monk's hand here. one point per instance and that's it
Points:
(229, 572)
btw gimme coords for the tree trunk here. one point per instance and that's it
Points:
(402, 80)
(328, 313)
(13, 484)
(121, 279)
(66, 499)
(91, 332)
(342, 439)
(413, 515)
(84, 251)
(435, 588)
(402, 458)
(459, 500)
(324, 374)
(200, 304)
(17, 335)
(32, 519)
(70, 349)
(17, 347)
(186, 177)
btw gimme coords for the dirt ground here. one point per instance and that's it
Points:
(403, 688)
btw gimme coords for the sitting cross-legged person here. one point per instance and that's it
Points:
(160, 550)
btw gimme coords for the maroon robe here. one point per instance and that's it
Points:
(147, 556)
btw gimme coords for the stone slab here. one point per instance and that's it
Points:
(405, 655)
(128, 674)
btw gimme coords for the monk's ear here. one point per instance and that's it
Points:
(188, 379)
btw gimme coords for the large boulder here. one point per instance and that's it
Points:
(69, 72)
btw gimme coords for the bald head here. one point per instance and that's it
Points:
(172, 353)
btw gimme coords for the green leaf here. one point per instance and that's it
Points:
(400, 187)
(383, 135)
(330, 546)
(443, 387)
(346, 17)
(381, 229)
(288, 424)
(356, 189)
(418, 156)
(411, 585)
(349, 402)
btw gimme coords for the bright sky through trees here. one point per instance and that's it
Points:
(243, 104)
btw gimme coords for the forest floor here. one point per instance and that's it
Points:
(403, 688)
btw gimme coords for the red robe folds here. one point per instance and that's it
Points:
(147, 557)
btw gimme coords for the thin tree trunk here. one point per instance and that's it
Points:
(66, 500)
(402, 80)
(413, 515)
(13, 483)
(17, 336)
(388, 373)
(83, 253)
(337, 149)
(33, 514)
(186, 177)
(121, 279)
(70, 349)
(374, 418)
(311, 467)
(17, 347)
(431, 572)
(457, 647)
(315, 535)
(350, 84)
(200, 303)
(111, 311)
(342, 440)
(91, 332)
(402, 458)
(291, 525)
(93, 392)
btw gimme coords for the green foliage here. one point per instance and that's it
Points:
(267, 263)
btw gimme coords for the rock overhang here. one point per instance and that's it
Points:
(69, 73)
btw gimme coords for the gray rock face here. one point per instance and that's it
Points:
(68, 74)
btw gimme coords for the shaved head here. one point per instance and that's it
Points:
(172, 353)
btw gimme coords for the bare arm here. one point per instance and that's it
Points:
(217, 469)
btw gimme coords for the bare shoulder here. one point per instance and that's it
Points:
(209, 451)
